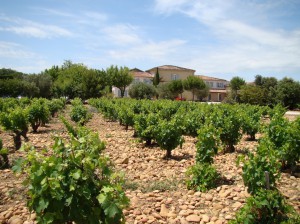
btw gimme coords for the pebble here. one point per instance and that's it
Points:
(209, 197)
(205, 218)
(15, 220)
(193, 218)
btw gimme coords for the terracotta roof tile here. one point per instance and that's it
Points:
(142, 74)
(171, 67)
(207, 78)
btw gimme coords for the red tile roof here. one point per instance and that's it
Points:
(170, 67)
(207, 78)
(141, 74)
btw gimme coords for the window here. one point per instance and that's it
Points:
(174, 77)
(219, 97)
(210, 84)
(136, 80)
(220, 85)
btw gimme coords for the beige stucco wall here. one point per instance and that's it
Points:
(166, 75)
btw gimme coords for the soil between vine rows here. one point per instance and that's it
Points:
(154, 185)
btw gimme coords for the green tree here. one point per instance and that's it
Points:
(17, 87)
(120, 77)
(94, 83)
(7, 73)
(142, 90)
(53, 72)
(258, 80)
(176, 87)
(43, 82)
(265, 82)
(69, 82)
(193, 84)
(288, 93)
(77, 80)
(156, 79)
(164, 91)
(268, 85)
(252, 94)
(236, 84)
(202, 93)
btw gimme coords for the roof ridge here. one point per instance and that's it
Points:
(210, 77)
(170, 67)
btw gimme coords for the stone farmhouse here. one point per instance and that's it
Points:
(217, 88)
(167, 73)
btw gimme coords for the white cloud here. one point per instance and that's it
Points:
(156, 51)
(96, 15)
(17, 57)
(245, 43)
(122, 34)
(55, 12)
(32, 29)
(13, 50)
(169, 6)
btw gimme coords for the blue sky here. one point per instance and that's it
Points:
(214, 37)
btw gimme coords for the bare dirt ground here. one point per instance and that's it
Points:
(155, 186)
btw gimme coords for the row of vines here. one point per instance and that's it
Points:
(219, 128)
(76, 182)
(72, 181)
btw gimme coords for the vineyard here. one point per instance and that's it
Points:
(142, 161)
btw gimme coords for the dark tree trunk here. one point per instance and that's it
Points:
(230, 148)
(252, 137)
(135, 134)
(5, 161)
(168, 153)
(24, 134)
(35, 127)
(17, 141)
(148, 141)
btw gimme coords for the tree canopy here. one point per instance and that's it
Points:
(194, 84)
(288, 93)
(120, 77)
(142, 90)
(176, 87)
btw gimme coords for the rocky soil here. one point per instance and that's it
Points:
(155, 186)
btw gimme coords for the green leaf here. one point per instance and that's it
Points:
(77, 174)
(101, 198)
(264, 202)
(42, 205)
(17, 168)
(112, 210)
